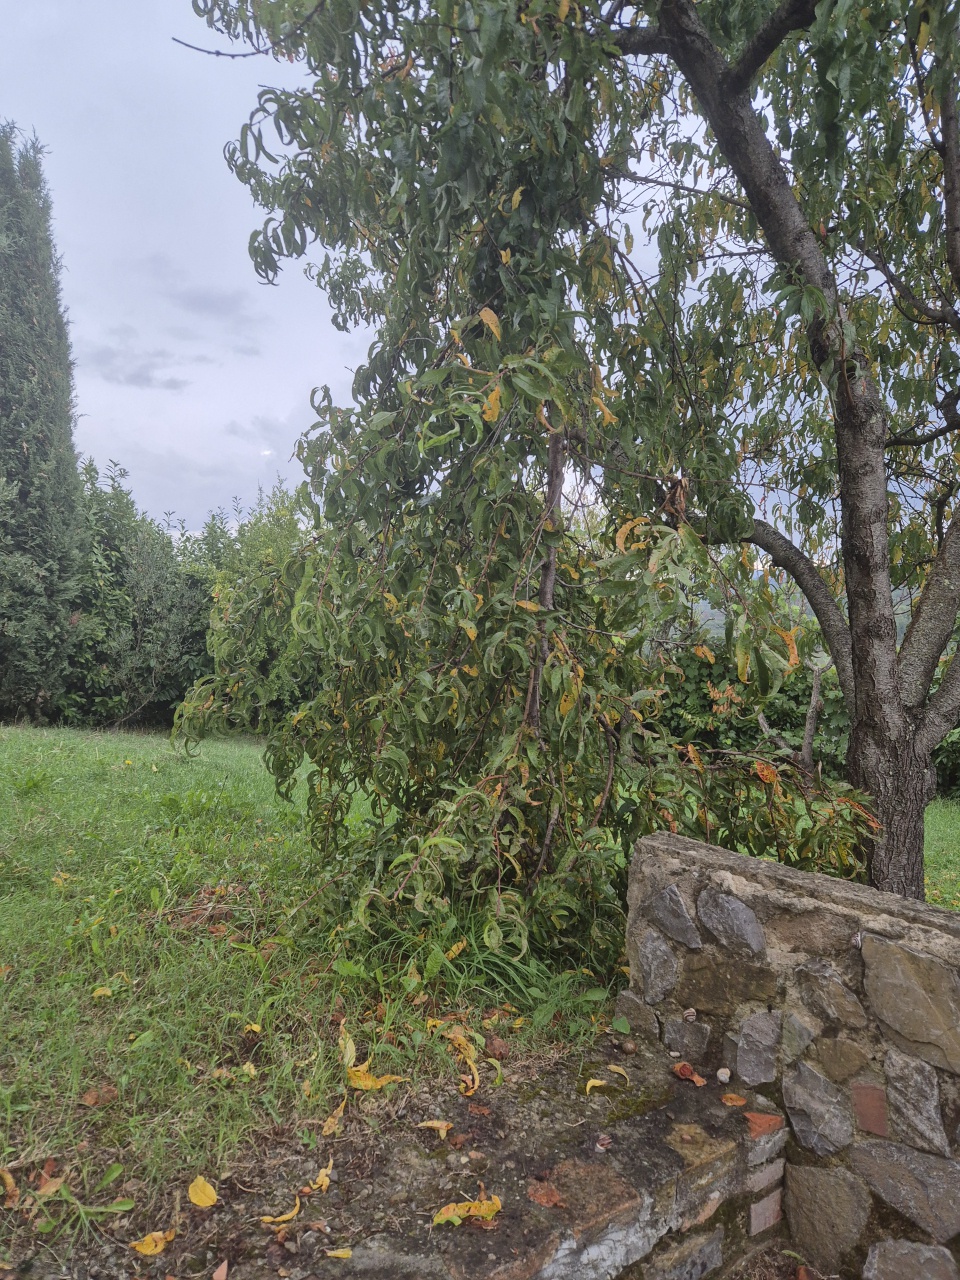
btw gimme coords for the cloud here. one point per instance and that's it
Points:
(124, 365)
(229, 307)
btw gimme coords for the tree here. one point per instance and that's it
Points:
(774, 365)
(39, 486)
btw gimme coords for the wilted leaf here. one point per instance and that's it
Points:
(497, 1048)
(733, 1100)
(154, 1242)
(256, 1029)
(491, 406)
(546, 1194)
(489, 318)
(48, 1187)
(457, 946)
(11, 1191)
(338, 1253)
(455, 1213)
(765, 772)
(596, 1084)
(361, 1078)
(285, 1217)
(475, 1109)
(686, 1072)
(442, 1127)
(531, 606)
(221, 1271)
(332, 1122)
(322, 1180)
(248, 1069)
(102, 993)
(348, 1050)
(99, 1097)
(201, 1193)
(619, 1071)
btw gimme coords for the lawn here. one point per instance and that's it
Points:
(169, 993)
(166, 990)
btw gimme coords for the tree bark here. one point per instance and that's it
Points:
(902, 782)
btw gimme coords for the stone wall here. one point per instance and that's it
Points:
(839, 1004)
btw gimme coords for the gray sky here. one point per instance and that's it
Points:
(190, 372)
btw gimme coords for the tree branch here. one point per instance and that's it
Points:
(933, 621)
(805, 574)
(792, 15)
(641, 40)
(936, 315)
(943, 709)
(950, 130)
(949, 406)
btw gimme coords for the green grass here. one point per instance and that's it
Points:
(942, 850)
(154, 909)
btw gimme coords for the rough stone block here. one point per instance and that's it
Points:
(904, 1260)
(924, 1188)
(817, 1109)
(640, 1017)
(689, 1039)
(731, 922)
(657, 965)
(913, 1093)
(766, 1213)
(758, 1048)
(840, 1057)
(669, 912)
(870, 1108)
(825, 994)
(827, 1210)
(768, 1175)
(691, 1259)
(796, 1037)
(917, 997)
(715, 983)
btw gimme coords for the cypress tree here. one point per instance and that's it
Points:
(39, 482)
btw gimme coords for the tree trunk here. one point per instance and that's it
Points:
(902, 782)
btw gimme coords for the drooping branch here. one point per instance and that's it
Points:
(792, 15)
(641, 40)
(950, 408)
(950, 128)
(933, 621)
(786, 555)
(925, 311)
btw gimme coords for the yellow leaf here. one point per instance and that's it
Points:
(11, 1190)
(595, 1084)
(515, 200)
(455, 1213)
(102, 993)
(254, 1027)
(442, 1127)
(285, 1217)
(620, 1072)
(505, 256)
(249, 1069)
(563, 8)
(531, 606)
(201, 1193)
(489, 317)
(332, 1122)
(348, 1050)
(702, 651)
(152, 1243)
(322, 1181)
(361, 1078)
(307, 1088)
(789, 639)
(491, 406)
(49, 1188)
(469, 671)
(338, 1253)
(624, 532)
(567, 703)
(461, 945)
(923, 35)
(607, 416)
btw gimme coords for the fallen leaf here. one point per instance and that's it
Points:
(455, 1213)
(250, 1070)
(596, 1084)
(285, 1217)
(201, 1193)
(459, 1140)
(256, 1029)
(338, 1253)
(686, 1072)
(221, 1271)
(455, 949)
(546, 1194)
(154, 1242)
(98, 1097)
(476, 1109)
(619, 1071)
(442, 1127)
(332, 1122)
(497, 1048)
(49, 1187)
(733, 1100)
(12, 1197)
(348, 1050)
(322, 1180)
(469, 1084)
(361, 1078)
(102, 993)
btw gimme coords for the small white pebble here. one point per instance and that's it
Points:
(674, 1053)
(723, 1075)
(689, 1015)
